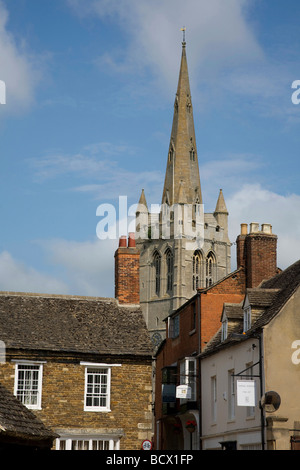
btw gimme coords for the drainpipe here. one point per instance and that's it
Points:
(199, 370)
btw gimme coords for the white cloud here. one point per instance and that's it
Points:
(218, 34)
(16, 276)
(19, 69)
(87, 267)
(253, 203)
(81, 268)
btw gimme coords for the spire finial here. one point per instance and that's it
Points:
(183, 33)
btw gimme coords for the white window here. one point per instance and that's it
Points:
(97, 386)
(28, 384)
(247, 318)
(85, 442)
(188, 376)
(224, 331)
(97, 389)
(214, 399)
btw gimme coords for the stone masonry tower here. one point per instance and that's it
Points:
(181, 248)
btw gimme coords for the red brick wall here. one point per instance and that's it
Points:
(127, 280)
(261, 258)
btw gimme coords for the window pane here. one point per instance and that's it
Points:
(97, 387)
(28, 384)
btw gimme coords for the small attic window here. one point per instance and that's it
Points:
(224, 331)
(247, 318)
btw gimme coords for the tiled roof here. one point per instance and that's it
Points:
(72, 324)
(16, 421)
(259, 297)
(233, 311)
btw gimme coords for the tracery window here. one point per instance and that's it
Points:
(210, 269)
(169, 263)
(157, 271)
(197, 258)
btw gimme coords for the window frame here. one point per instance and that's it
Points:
(174, 326)
(20, 392)
(188, 376)
(157, 273)
(224, 330)
(99, 366)
(247, 318)
(214, 398)
(72, 442)
(169, 270)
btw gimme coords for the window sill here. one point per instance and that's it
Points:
(98, 410)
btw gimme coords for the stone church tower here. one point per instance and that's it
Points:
(181, 247)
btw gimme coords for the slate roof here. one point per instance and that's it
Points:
(259, 297)
(233, 311)
(72, 324)
(17, 421)
(271, 295)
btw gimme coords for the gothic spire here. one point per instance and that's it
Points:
(182, 164)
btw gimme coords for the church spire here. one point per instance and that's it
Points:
(182, 165)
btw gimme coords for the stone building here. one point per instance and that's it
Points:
(181, 248)
(82, 365)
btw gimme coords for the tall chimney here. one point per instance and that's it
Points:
(261, 254)
(127, 279)
(256, 251)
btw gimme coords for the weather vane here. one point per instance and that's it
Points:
(183, 31)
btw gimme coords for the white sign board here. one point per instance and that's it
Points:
(183, 391)
(245, 393)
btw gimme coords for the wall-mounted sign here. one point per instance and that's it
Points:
(183, 391)
(146, 445)
(245, 393)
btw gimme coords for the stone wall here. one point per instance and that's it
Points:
(63, 396)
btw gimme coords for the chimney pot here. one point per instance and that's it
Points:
(244, 229)
(122, 242)
(254, 227)
(266, 228)
(131, 240)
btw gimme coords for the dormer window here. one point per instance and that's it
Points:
(247, 318)
(224, 331)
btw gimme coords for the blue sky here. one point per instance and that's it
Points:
(90, 87)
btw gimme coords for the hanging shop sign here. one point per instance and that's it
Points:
(245, 393)
(183, 391)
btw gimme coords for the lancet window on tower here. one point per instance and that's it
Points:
(157, 272)
(169, 265)
(197, 262)
(210, 267)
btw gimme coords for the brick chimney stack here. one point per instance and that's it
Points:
(257, 253)
(127, 280)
